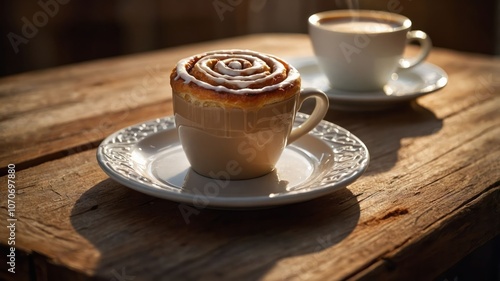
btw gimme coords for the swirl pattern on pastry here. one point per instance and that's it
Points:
(235, 76)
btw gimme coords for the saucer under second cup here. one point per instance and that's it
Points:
(405, 85)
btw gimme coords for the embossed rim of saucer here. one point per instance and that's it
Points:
(406, 85)
(135, 157)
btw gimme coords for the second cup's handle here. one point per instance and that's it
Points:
(316, 116)
(425, 47)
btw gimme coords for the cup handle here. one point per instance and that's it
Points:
(316, 116)
(425, 47)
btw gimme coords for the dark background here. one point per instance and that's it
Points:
(69, 31)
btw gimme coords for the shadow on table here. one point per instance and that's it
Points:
(144, 238)
(383, 131)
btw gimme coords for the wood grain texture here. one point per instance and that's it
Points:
(430, 196)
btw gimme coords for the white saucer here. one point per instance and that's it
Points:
(149, 158)
(405, 85)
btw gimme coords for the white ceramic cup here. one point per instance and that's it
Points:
(240, 143)
(235, 111)
(359, 50)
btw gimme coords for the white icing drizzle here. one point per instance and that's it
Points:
(240, 68)
(234, 64)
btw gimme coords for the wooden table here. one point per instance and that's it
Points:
(430, 196)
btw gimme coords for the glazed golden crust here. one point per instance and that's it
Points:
(206, 97)
(225, 93)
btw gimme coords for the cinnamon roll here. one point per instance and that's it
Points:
(234, 79)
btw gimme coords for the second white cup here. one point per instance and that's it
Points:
(359, 50)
